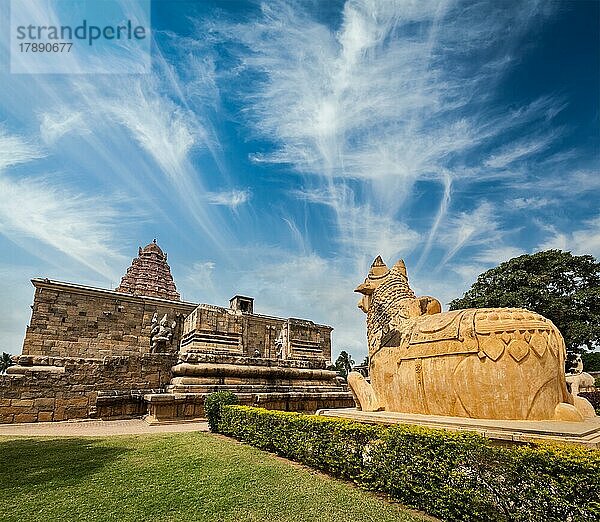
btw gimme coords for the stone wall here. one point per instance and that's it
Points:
(86, 354)
(308, 340)
(76, 321)
(42, 389)
(216, 330)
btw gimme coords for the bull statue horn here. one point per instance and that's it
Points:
(378, 269)
(400, 268)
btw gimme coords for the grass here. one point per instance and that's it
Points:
(188, 476)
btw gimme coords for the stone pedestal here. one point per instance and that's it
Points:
(517, 431)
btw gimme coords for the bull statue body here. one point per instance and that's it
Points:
(489, 363)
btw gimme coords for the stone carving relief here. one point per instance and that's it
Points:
(282, 343)
(161, 335)
(492, 363)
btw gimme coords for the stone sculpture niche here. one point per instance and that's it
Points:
(161, 335)
(488, 363)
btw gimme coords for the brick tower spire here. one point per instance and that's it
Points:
(150, 275)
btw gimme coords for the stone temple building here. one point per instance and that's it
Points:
(139, 350)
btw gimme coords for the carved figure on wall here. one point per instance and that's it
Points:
(161, 334)
(281, 342)
(490, 363)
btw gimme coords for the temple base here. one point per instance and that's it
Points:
(166, 408)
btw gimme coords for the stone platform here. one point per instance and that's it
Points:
(518, 431)
(303, 385)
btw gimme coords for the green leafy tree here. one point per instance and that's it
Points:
(556, 284)
(344, 364)
(591, 361)
(5, 362)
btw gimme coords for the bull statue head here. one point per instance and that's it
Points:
(377, 274)
(388, 300)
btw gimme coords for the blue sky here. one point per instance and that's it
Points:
(276, 148)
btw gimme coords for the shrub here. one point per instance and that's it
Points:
(452, 475)
(213, 404)
(337, 447)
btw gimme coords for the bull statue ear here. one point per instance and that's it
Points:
(430, 305)
(365, 288)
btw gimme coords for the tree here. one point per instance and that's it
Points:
(344, 364)
(5, 362)
(556, 284)
(591, 361)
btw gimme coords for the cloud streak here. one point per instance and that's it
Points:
(386, 100)
(80, 227)
(231, 199)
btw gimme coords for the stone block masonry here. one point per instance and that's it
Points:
(215, 330)
(71, 320)
(42, 389)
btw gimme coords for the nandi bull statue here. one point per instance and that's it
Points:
(488, 363)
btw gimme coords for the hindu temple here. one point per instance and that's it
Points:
(139, 350)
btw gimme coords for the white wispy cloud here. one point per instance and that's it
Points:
(139, 130)
(38, 209)
(15, 150)
(531, 203)
(78, 226)
(229, 198)
(477, 227)
(498, 254)
(54, 125)
(584, 240)
(517, 151)
(376, 105)
(197, 283)
(561, 182)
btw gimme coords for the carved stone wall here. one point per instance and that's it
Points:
(70, 320)
(86, 354)
(212, 329)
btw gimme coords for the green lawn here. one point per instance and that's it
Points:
(188, 476)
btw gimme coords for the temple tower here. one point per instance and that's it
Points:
(150, 275)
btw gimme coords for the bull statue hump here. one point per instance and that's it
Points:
(487, 363)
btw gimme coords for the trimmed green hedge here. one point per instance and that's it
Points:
(336, 447)
(213, 404)
(457, 476)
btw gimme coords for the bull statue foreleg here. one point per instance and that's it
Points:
(363, 393)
